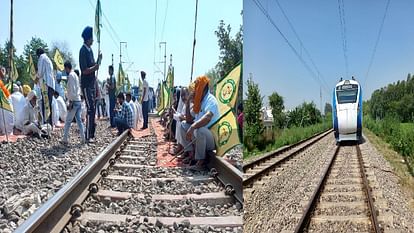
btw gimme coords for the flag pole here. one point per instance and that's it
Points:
(194, 42)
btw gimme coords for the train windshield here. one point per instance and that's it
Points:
(347, 93)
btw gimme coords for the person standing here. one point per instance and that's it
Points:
(88, 67)
(111, 92)
(75, 105)
(144, 100)
(45, 74)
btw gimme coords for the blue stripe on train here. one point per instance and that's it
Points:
(334, 117)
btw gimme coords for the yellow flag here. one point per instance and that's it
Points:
(14, 74)
(160, 99)
(225, 133)
(46, 102)
(30, 68)
(226, 90)
(59, 60)
(121, 79)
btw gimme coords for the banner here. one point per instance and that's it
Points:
(120, 82)
(4, 95)
(30, 68)
(225, 133)
(58, 59)
(45, 99)
(226, 90)
(14, 74)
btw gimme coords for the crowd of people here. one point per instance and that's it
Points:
(83, 98)
(193, 110)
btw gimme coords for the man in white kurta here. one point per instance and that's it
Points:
(18, 102)
(46, 76)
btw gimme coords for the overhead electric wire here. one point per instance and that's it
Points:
(266, 14)
(165, 18)
(376, 42)
(320, 76)
(341, 9)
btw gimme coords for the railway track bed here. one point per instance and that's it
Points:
(125, 191)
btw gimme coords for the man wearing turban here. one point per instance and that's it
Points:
(29, 123)
(88, 67)
(205, 108)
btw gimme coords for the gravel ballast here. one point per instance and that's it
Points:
(272, 206)
(32, 170)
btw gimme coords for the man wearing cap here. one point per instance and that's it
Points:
(88, 67)
(18, 102)
(28, 123)
(45, 74)
(144, 100)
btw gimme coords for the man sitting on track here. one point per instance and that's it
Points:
(29, 123)
(206, 113)
(180, 117)
(133, 108)
(124, 119)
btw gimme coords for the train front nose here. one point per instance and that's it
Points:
(347, 120)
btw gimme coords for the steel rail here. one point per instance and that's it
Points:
(306, 217)
(229, 176)
(53, 215)
(368, 193)
(279, 151)
(304, 220)
(249, 180)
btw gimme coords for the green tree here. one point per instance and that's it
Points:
(231, 52)
(31, 46)
(276, 103)
(328, 108)
(253, 129)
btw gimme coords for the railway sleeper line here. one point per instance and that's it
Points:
(343, 198)
(107, 197)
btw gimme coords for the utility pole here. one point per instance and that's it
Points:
(170, 59)
(11, 40)
(112, 60)
(165, 57)
(120, 50)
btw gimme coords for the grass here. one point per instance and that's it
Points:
(289, 136)
(397, 162)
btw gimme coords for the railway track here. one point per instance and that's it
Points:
(124, 190)
(342, 200)
(257, 169)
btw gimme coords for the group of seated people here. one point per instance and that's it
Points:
(187, 121)
(128, 112)
(25, 115)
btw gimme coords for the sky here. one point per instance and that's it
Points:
(142, 24)
(275, 67)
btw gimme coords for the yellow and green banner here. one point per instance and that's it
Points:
(120, 82)
(14, 74)
(226, 89)
(225, 133)
(58, 60)
(30, 68)
(45, 102)
(4, 101)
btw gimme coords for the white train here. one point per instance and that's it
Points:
(347, 111)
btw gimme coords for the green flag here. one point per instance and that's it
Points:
(120, 82)
(98, 22)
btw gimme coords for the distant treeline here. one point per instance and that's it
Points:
(395, 100)
(390, 115)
